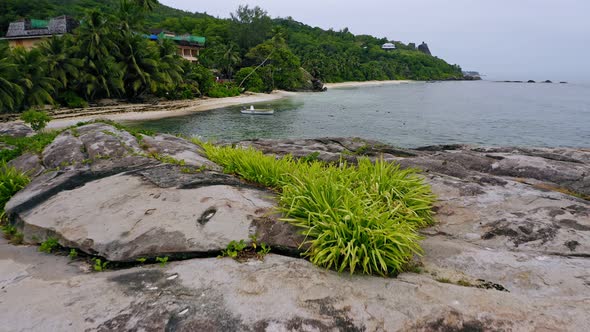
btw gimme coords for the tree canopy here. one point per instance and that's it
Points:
(108, 57)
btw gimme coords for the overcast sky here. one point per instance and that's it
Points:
(504, 39)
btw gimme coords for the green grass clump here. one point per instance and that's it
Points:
(49, 245)
(11, 181)
(361, 217)
(34, 144)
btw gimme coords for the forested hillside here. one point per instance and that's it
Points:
(250, 49)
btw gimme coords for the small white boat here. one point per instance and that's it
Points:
(252, 110)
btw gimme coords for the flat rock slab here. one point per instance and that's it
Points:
(277, 294)
(124, 217)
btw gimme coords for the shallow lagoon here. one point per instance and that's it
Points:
(410, 115)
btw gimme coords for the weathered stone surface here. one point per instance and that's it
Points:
(28, 163)
(102, 140)
(509, 251)
(15, 129)
(107, 198)
(124, 217)
(66, 151)
(179, 149)
(277, 294)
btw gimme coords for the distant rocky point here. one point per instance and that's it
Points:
(471, 76)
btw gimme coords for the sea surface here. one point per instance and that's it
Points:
(410, 115)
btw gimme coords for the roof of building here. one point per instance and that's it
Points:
(31, 28)
(187, 40)
(388, 46)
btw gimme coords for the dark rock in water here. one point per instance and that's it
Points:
(424, 48)
(471, 76)
(563, 82)
(15, 129)
(531, 81)
(547, 81)
(310, 83)
(318, 85)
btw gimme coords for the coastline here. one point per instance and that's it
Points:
(166, 109)
(354, 84)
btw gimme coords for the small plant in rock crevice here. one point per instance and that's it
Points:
(162, 260)
(242, 250)
(49, 245)
(99, 265)
(73, 254)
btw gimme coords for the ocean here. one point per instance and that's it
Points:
(410, 115)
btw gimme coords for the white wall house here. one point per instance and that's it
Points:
(388, 46)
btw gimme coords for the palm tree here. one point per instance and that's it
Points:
(129, 16)
(11, 93)
(139, 63)
(228, 58)
(147, 5)
(61, 63)
(96, 37)
(39, 87)
(170, 65)
(102, 76)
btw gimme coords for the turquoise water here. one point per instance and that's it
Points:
(411, 115)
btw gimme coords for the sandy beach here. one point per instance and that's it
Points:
(365, 83)
(131, 112)
(134, 112)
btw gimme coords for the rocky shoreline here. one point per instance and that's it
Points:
(509, 252)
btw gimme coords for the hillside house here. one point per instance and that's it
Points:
(388, 46)
(29, 32)
(188, 45)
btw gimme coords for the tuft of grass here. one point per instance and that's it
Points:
(162, 260)
(242, 251)
(11, 181)
(49, 245)
(356, 218)
(73, 254)
(167, 159)
(34, 144)
(11, 233)
(444, 280)
(99, 265)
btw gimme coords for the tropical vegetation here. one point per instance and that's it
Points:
(108, 56)
(357, 218)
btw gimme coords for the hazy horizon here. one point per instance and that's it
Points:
(504, 40)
